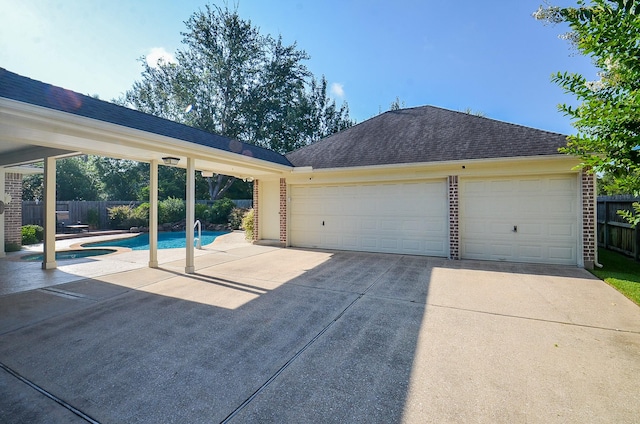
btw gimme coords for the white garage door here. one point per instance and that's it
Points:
(408, 218)
(529, 219)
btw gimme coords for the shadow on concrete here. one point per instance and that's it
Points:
(319, 346)
(302, 336)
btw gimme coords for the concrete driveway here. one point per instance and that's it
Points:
(261, 334)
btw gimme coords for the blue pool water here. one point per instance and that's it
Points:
(166, 240)
(69, 254)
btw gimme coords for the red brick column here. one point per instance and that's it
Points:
(256, 210)
(454, 232)
(13, 211)
(588, 218)
(283, 210)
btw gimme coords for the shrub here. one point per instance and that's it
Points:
(32, 234)
(203, 212)
(140, 215)
(171, 210)
(12, 247)
(93, 218)
(247, 225)
(235, 218)
(120, 216)
(221, 210)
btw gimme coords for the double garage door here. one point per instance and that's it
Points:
(528, 219)
(409, 218)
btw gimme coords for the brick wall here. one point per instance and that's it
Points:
(256, 210)
(13, 211)
(588, 218)
(454, 231)
(283, 210)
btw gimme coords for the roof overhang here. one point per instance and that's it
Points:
(36, 132)
(495, 167)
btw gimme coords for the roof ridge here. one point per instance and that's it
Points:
(490, 119)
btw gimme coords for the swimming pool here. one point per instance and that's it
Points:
(166, 240)
(69, 254)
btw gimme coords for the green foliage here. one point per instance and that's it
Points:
(93, 218)
(235, 218)
(76, 179)
(397, 104)
(620, 272)
(632, 218)
(140, 215)
(32, 234)
(608, 116)
(12, 247)
(221, 210)
(203, 212)
(247, 224)
(171, 210)
(32, 186)
(120, 216)
(231, 80)
(120, 179)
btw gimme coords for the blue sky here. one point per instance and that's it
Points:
(490, 56)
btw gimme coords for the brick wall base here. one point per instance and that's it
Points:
(283, 210)
(454, 231)
(13, 211)
(256, 210)
(588, 218)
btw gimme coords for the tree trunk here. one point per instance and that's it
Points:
(222, 184)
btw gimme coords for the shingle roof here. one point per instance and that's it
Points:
(425, 134)
(23, 89)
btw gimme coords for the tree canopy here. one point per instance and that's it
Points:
(608, 116)
(231, 80)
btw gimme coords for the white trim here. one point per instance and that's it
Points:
(30, 124)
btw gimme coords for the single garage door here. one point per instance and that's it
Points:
(408, 218)
(528, 219)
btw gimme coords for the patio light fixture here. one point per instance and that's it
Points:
(169, 160)
(206, 174)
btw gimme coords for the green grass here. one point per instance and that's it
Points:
(621, 272)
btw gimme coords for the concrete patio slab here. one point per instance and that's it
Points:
(289, 335)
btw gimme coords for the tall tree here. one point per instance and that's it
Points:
(231, 80)
(608, 116)
(120, 179)
(75, 180)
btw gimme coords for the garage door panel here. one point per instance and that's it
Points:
(369, 224)
(561, 253)
(395, 217)
(530, 253)
(559, 229)
(544, 209)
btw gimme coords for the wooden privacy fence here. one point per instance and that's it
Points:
(614, 232)
(32, 212)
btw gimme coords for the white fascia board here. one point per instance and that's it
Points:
(24, 170)
(525, 165)
(121, 140)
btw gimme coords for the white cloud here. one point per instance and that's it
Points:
(337, 89)
(159, 53)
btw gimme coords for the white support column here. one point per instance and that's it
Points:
(153, 214)
(49, 258)
(191, 213)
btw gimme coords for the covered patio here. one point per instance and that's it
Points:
(43, 123)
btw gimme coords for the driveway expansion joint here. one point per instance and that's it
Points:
(498, 314)
(48, 394)
(304, 348)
